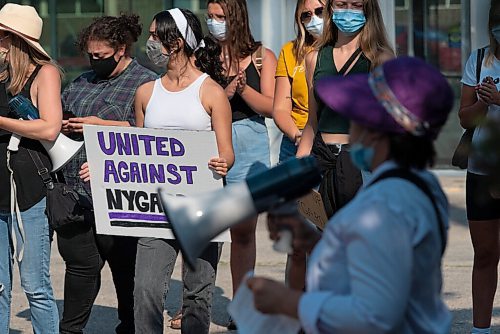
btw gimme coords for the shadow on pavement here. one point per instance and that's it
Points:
(462, 321)
(103, 319)
(219, 304)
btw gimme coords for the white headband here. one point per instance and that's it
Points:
(183, 26)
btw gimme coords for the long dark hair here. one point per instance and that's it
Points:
(207, 57)
(411, 151)
(116, 31)
(240, 41)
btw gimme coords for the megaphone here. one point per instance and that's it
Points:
(198, 219)
(60, 151)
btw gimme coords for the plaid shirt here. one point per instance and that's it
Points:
(110, 99)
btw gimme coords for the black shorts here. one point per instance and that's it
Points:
(480, 204)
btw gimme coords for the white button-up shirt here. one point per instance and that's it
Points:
(377, 268)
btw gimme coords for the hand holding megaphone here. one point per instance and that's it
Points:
(60, 151)
(291, 231)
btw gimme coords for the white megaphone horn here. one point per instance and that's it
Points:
(60, 151)
(198, 219)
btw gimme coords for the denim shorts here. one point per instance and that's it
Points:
(288, 150)
(251, 149)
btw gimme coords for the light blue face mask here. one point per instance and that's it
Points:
(362, 156)
(315, 26)
(496, 33)
(217, 29)
(349, 21)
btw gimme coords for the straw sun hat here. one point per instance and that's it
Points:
(24, 22)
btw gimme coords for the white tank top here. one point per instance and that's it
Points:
(181, 110)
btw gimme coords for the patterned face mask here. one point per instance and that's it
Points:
(155, 53)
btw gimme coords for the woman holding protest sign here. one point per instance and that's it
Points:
(102, 96)
(26, 70)
(195, 102)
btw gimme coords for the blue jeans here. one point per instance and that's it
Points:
(288, 150)
(153, 269)
(251, 149)
(33, 269)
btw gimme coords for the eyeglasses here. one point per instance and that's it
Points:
(305, 17)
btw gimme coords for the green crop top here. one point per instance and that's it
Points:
(328, 120)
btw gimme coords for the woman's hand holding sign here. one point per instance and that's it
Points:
(84, 172)
(219, 165)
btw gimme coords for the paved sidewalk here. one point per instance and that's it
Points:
(457, 276)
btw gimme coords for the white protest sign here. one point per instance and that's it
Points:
(127, 167)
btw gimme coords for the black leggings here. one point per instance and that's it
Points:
(85, 254)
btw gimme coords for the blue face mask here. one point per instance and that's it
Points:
(362, 156)
(496, 33)
(315, 26)
(217, 29)
(349, 21)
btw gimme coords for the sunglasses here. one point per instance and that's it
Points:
(306, 16)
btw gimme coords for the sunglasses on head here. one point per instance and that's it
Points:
(306, 16)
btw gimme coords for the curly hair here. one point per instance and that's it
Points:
(207, 57)
(116, 31)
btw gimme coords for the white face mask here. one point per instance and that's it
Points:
(155, 54)
(217, 29)
(315, 26)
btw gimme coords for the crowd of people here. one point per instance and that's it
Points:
(336, 91)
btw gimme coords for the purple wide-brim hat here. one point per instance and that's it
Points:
(418, 88)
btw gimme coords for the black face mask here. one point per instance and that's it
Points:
(105, 66)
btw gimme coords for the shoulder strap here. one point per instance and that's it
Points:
(479, 63)
(32, 76)
(257, 58)
(419, 183)
(349, 61)
(42, 170)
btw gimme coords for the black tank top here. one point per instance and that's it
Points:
(328, 120)
(239, 107)
(30, 188)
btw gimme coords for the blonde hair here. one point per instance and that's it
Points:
(21, 56)
(493, 20)
(373, 37)
(304, 41)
